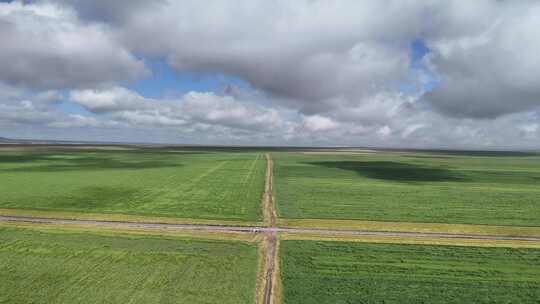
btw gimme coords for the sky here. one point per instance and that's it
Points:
(374, 73)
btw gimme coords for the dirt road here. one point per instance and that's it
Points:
(269, 210)
(270, 267)
(271, 238)
(262, 229)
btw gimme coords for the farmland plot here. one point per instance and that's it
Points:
(82, 267)
(340, 272)
(187, 184)
(410, 187)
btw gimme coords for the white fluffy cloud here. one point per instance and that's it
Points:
(319, 123)
(45, 46)
(310, 54)
(491, 67)
(191, 109)
(305, 53)
(114, 99)
(19, 107)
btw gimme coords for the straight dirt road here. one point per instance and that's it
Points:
(270, 267)
(271, 238)
(269, 210)
(261, 229)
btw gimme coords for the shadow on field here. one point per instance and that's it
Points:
(96, 198)
(394, 171)
(426, 156)
(492, 153)
(21, 158)
(47, 163)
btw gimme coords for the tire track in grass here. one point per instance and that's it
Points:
(246, 184)
(252, 166)
(170, 187)
(251, 177)
(241, 184)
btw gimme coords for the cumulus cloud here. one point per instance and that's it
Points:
(45, 46)
(110, 11)
(225, 110)
(489, 68)
(50, 96)
(317, 72)
(81, 121)
(20, 107)
(192, 108)
(114, 99)
(25, 109)
(306, 52)
(319, 123)
(312, 54)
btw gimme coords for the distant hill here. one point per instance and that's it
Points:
(5, 140)
(20, 141)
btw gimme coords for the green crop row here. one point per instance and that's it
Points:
(432, 188)
(82, 267)
(194, 184)
(338, 272)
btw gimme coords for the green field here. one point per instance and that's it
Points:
(466, 188)
(158, 182)
(337, 272)
(82, 267)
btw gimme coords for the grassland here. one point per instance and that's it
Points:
(334, 272)
(59, 266)
(488, 189)
(164, 182)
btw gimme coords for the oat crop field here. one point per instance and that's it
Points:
(342, 272)
(458, 188)
(195, 184)
(61, 266)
